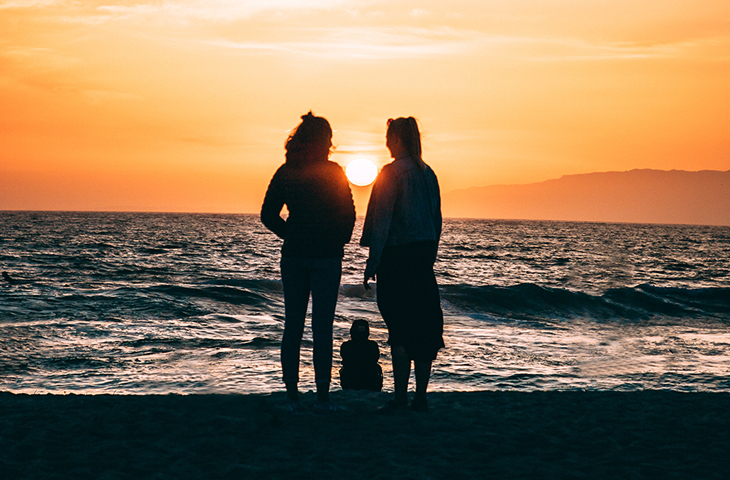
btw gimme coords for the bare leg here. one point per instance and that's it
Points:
(401, 373)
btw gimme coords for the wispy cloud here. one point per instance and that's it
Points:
(47, 70)
(342, 42)
(39, 59)
(378, 43)
(364, 43)
(577, 50)
(358, 149)
(30, 4)
(419, 12)
(171, 11)
(214, 10)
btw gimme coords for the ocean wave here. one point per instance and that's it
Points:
(254, 285)
(165, 344)
(231, 295)
(642, 302)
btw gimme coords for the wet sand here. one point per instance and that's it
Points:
(504, 435)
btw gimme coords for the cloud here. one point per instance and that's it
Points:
(98, 97)
(38, 59)
(419, 12)
(340, 42)
(580, 50)
(382, 43)
(46, 70)
(30, 4)
(214, 10)
(358, 149)
(374, 43)
(163, 11)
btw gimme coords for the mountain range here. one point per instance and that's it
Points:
(636, 196)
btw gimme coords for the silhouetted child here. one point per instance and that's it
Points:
(360, 369)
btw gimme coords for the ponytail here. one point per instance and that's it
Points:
(406, 130)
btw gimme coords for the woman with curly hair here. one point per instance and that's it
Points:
(320, 222)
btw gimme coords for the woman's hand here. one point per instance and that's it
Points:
(368, 275)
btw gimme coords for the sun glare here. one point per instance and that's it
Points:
(361, 172)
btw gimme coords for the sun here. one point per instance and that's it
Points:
(361, 172)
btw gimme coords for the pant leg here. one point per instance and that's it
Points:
(326, 274)
(295, 277)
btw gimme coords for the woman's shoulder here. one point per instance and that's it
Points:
(429, 171)
(327, 168)
(282, 170)
(391, 169)
(405, 165)
(332, 171)
(279, 175)
(334, 166)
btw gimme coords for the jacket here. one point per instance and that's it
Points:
(321, 210)
(404, 207)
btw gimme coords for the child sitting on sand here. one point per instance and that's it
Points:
(360, 369)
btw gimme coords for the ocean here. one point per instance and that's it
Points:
(137, 303)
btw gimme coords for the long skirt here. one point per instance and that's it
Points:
(408, 299)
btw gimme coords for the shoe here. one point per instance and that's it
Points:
(419, 405)
(326, 408)
(295, 407)
(392, 407)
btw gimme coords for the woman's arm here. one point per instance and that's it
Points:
(378, 219)
(271, 209)
(346, 207)
(438, 220)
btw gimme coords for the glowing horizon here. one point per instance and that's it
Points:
(185, 105)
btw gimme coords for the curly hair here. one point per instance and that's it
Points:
(310, 142)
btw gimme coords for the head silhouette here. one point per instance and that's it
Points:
(360, 330)
(405, 132)
(310, 142)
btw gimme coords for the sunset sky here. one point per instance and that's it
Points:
(185, 105)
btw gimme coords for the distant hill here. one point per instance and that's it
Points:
(636, 196)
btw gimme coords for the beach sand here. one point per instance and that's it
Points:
(504, 435)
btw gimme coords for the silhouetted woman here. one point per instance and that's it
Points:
(402, 228)
(320, 222)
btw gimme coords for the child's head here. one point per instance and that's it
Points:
(360, 330)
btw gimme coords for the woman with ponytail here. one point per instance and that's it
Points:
(320, 222)
(402, 229)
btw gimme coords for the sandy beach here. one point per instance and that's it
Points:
(650, 434)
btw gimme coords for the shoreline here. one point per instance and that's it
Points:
(500, 434)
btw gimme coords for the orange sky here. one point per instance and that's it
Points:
(185, 105)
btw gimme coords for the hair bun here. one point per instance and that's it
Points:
(307, 116)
